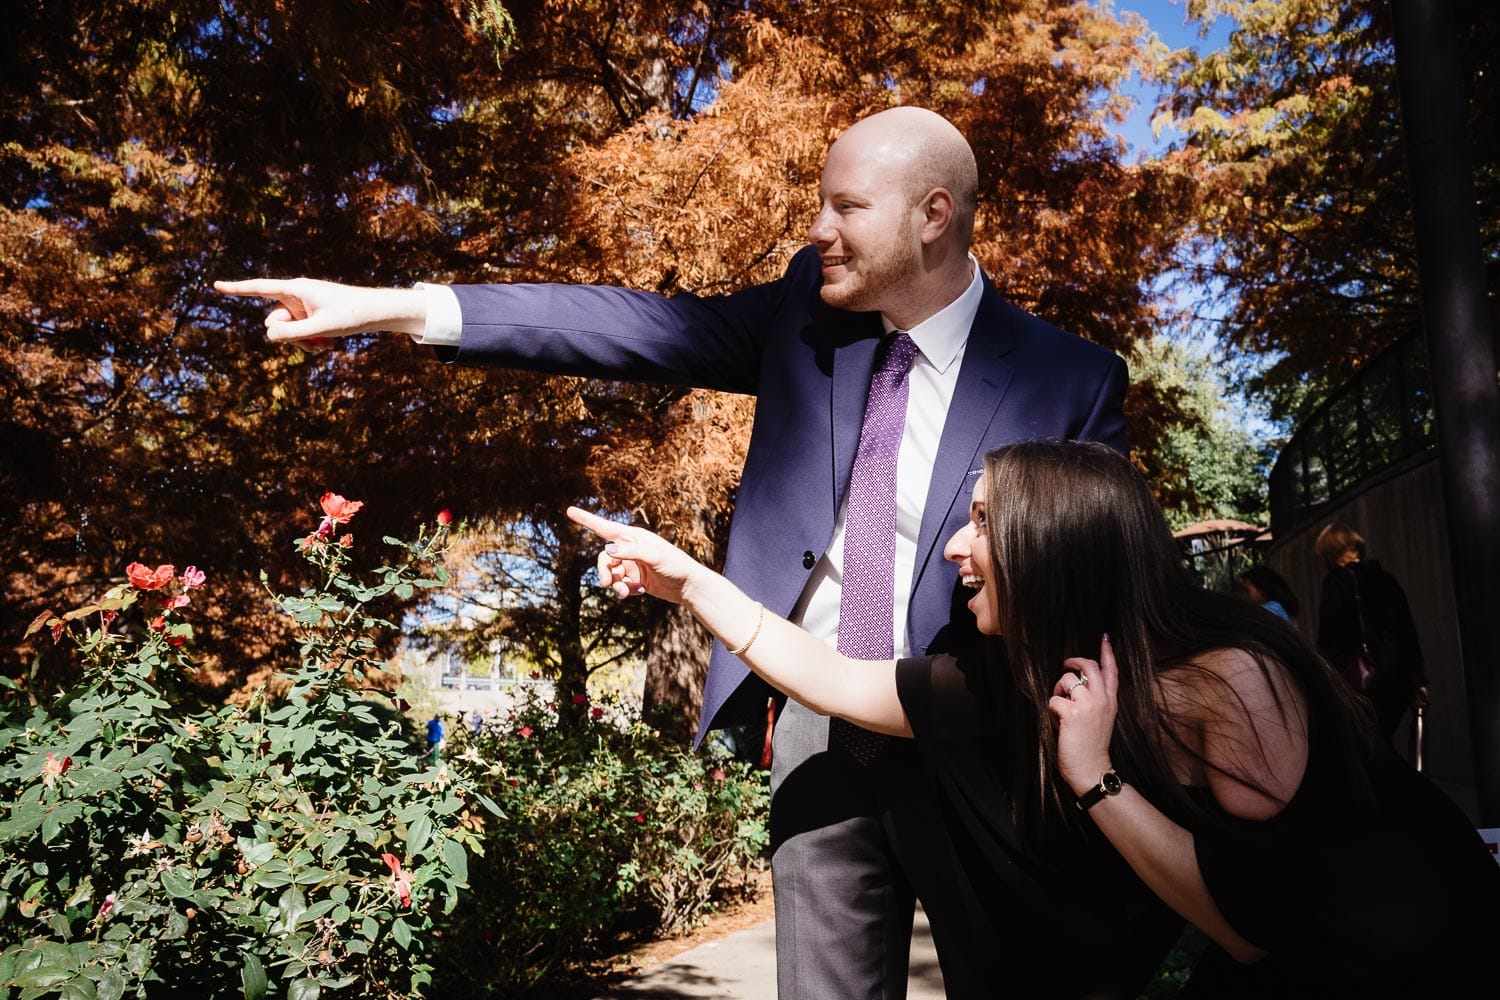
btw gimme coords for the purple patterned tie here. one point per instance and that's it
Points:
(867, 598)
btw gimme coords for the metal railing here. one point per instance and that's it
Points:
(1378, 418)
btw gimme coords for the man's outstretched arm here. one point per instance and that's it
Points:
(310, 310)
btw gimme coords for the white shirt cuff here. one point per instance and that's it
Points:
(445, 317)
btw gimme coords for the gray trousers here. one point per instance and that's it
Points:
(843, 908)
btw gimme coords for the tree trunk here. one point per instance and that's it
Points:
(573, 667)
(676, 666)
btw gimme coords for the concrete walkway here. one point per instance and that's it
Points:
(742, 966)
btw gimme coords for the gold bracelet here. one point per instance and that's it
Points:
(759, 621)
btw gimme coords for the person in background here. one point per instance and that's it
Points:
(1266, 587)
(435, 737)
(1123, 712)
(1364, 618)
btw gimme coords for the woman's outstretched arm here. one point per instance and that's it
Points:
(637, 561)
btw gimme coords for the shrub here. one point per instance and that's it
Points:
(292, 846)
(611, 827)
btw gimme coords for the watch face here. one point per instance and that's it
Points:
(1111, 783)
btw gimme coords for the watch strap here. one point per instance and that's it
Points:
(1109, 784)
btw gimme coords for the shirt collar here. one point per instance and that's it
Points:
(941, 336)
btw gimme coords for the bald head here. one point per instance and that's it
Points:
(896, 216)
(927, 151)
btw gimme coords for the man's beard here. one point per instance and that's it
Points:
(878, 279)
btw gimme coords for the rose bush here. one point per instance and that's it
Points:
(302, 844)
(611, 829)
(292, 846)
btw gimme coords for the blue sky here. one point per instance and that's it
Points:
(1170, 22)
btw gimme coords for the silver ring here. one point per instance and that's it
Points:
(1080, 682)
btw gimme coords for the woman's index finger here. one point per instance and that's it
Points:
(593, 522)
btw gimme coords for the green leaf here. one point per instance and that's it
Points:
(303, 739)
(303, 989)
(401, 933)
(260, 854)
(253, 976)
(176, 885)
(24, 819)
(78, 989)
(291, 907)
(457, 859)
(317, 909)
(111, 984)
(177, 926)
(417, 836)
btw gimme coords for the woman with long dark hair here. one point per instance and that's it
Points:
(1213, 750)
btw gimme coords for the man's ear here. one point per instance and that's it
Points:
(937, 214)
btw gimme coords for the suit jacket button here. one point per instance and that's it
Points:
(809, 560)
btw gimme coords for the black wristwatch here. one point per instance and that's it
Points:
(1109, 784)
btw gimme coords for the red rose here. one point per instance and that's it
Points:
(337, 509)
(144, 578)
(400, 881)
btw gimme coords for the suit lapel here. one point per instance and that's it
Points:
(853, 367)
(982, 383)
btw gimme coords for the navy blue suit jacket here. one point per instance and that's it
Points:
(809, 366)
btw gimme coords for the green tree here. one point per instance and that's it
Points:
(1210, 448)
(1305, 221)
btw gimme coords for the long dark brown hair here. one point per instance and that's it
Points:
(1080, 549)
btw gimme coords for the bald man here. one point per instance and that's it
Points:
(857, 826)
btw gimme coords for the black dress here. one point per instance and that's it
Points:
(1395, 897)
(1363, 605)
(1081, 920)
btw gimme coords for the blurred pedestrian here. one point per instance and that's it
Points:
(435, 737)
(1365, 628)
(1266, 587)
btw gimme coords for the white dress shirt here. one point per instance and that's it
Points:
(940, 341)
